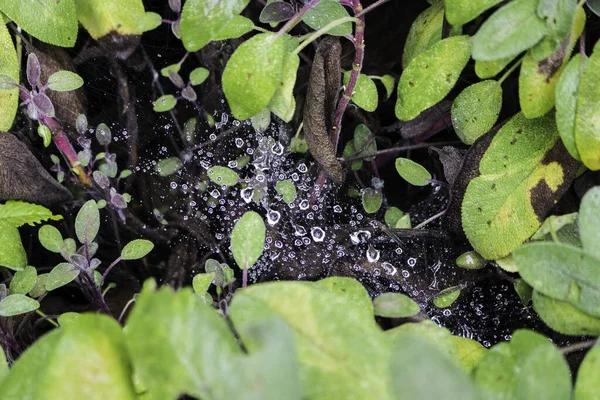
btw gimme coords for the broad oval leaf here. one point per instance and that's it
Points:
(587, 120)
(83, 357)
(136, 249)
(87, 222)
(61, 275)
(563, 317)
(566, 94)
(392, 215)
(536, 87)
(198, 76)
(395, 305)
(446, 297)
(236, 27)
(202, 21)
(48, 20)
(168, 166)
(64, 81)
(587, 386)
(248, 239)
(513, 28)
(425, 31)
(223, 176)
(371, 200)
(489, 69)
(589, 222)
(125, 17)
(431, 75)
(325, 12)
(165, 103)
(476, 109)
(523, 172)
(413, 173)
(50, 238)
(276, 11)
(201, 283)
(23, 281)
(16, 304)
(9, 67)
(283, 103)
(459, 12)
(12, 252)
(365, 92)
(252, 74)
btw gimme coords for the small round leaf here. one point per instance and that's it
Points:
(198, 76)
(223, 176)
(136, 249)
(23, 281)
(475, 110)
(413, 173)
(365, 92)
(248, 239)
(165, 103)
(50, 238)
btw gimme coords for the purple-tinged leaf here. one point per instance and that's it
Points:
(101, 179)
(103, 134)
(84, 142)
(95, 263)
(79, 261)
(188, 93)
(117, 200)
(277, 11)
(43, 105)
(33, 70)
(81, 124)
(175, 5)
(176, 28)
(176, 79)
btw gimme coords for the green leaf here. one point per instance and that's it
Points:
(513, 28)
(392, 215)
(148, 21)
(489, 69)
(524, 291)
(201, 283)
(446, 297)
(587, 386)
(365, 92)
(235, 28)
(3, 365)
(202, 21)
(566, 94)
(316, 314)
(388, 82)
(44, 132)
(371, 200)
(223, 176)
(50, 238)
(164, 103)
(536, 88)
(48, 20)
(563, 317)
(350, 150)
(100, 17)
(395, 305)
(40, 286)
(198, 75)
(425, 31)
(62, 274)
(553, 224)
(248, 239)
(403, 222)
(136, 249)
(179, 345)
(283, 103)
(414, 361)
(523, 173)
(364, 141)
(559, 16)
(287, 190)
(253, 73)
(589, 222)
(413, 173)
(67, 318)
(476, 109)
(594, 5)
(85, 359)
(431, 75)
(528, 367)
(9, 66)
(23, 281)
(325, 12)
(12, 252)
(470, 260)
(18, 213)
(87, 222)
(16, 304)
(168, 166)
(459, 12)
(173, 67)
(587, 125)
(64, 81)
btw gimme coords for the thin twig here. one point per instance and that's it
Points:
(578, 346)
(395, 150)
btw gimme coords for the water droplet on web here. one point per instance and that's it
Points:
(373, 254)
(246, 194)
(300, 230)
(360, 237)
(317, 234)
(212, 136)
(303, 204)
(277, 149)
(447, 313)
(337, 209)
(239, 142)
(173, 185)
(273, 217)
(215, 193)
(306, 241)
(302, 168)
(232, 164)
(405, 273)
(389, 268)
(412, 261)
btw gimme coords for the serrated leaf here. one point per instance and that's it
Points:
(325, 12)
(251, 76)
(431, 75)
(48, 20)
(16, 304)
(64, 81)
(61, 275)
(87, 222)
(395, 305)
(587, 386)
(563, 317)
(459, 12)
(125, 17)
(371, 200)
(287, 190)
(9, 67)
(198, 75)
(164, 103)
(202, 21)
(566, 94)
(12, 252)
(223, 176)
(476, 109)
(523, 172)
(248, 239)
(425, 31)
(23, 281)
(168, 166)
(365, 92)
(18, 213)
(136, 249)
(412, 172)
(587, 120)
(513, 28)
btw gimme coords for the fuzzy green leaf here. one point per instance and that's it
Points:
(23, 281)
(168, 166)
(470, 260)
(392, 215)
(223, 176)
(395, 305)
(413, 173)
(431, 75)
(325, 12)
(446, 297)
(536, 88)
(9, 67)
(425, 31)
(566, 92)
(198, 75)
(459, 12)
(283, 103)
(489, 69)
(563, 317)
(61, 275)
(363, 141)
(587, 120)
(136, 249)
(587, 386)
(64, 81)
(388, 82)
(87, 222)
(371, 200)
(125, 17)
(365, 92)
(12, 252)
(50, 238)
(248, 239)
(201, 283)
(589, 222)
(165, 103)
(476, 109)
(16, 304)
(287, 190)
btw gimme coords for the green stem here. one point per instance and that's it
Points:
(510, 70)
(315, 35)
(41, 314)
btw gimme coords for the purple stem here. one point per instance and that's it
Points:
(109, 268)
